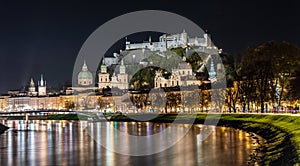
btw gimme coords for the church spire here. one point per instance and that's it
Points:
(42, 87)
(42, 81)
(31, 83)
(212, 72)
(84, 67)
(122, 67)
(103, 67)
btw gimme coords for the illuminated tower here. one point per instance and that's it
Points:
(212, 73)
(123, 77)
(42, 87)
(103, 76)
(31, 89)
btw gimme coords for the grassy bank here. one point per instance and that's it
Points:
(282, 133)
(68, 117)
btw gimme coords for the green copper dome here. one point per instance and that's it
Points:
(85, 75)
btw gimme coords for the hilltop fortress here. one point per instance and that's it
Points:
(168, 41)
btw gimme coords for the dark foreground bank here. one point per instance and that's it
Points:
(2, 128)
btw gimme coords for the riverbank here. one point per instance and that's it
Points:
(3, 128)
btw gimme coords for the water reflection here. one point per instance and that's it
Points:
(69, 143)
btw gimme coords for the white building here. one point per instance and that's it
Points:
(167, 41)
(42, 91)
(32, 90)
(104, 81)
(180, 76)
(121, 80)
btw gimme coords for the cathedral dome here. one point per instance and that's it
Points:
(85, 77)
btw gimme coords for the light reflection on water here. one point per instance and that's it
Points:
(69, 143)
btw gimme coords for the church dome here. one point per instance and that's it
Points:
(85, 75)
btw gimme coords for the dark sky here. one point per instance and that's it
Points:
(45, 37)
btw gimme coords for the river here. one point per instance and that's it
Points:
(69, 143)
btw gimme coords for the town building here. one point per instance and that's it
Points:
(180, 76)
(42, 89)
(117, 81)
(120, 80)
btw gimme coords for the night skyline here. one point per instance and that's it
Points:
(44, 38)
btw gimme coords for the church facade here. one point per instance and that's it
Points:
(117, 81)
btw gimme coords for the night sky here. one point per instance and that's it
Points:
(44, 38)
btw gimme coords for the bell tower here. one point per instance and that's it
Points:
(42, 87)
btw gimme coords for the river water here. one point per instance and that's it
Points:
(70, 143)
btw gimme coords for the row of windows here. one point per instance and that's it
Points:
(84, 82)
(183, 72)
(105, 80)
(165, 85)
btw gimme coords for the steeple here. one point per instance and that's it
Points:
(103, 67)
(212, 72)
(186, 52)
(84, 67)
(122, 67)
(31, 83)
(42, 83)
(42, 87)
(31, 88)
